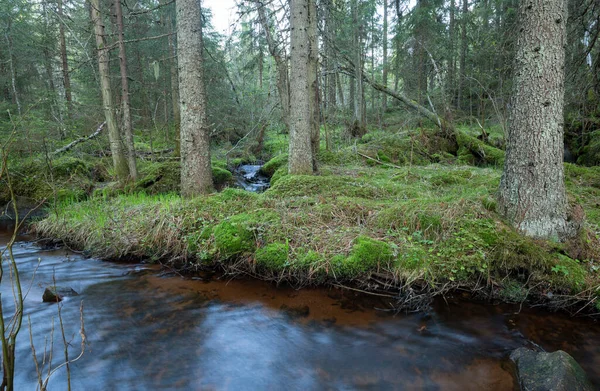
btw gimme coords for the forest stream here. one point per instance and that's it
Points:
(148, 329)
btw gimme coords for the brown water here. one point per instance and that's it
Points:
(148, 330)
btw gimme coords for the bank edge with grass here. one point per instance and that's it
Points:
(382, 228)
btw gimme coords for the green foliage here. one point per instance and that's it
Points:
(568, 273)
(513, 291)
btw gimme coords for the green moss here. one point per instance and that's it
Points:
(235, 235)
(568, 273)
(158, 177)
(484, 152)
(307, 185)
(273, 257)
(367, 255)
(219, 163)
(280, 173)
(232, 194)
(221, 176)
(343, 157)
(270, 167)
(66, 166)
(306, 259)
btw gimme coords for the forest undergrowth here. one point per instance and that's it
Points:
(400, 213)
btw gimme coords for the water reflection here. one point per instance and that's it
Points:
(148, 332)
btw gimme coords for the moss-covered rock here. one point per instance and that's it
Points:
(556, 371)
(270, 167)
(280, 173)
(221, 176)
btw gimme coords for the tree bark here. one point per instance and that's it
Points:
(463, 53)
(359, 126)
(196, 172)
(11, 63)
(532, 190)
(385, 53)
(300, 150)
(313, 81)
(452, 57)
(114, 137)
(174, 86)
(127, 127)
(64, 60)
(281, 65)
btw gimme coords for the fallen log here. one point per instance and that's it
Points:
(79, 140)
(481, 150)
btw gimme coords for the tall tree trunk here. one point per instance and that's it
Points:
(127, 128)
(196, 172)
(331, 74)
(174, 86)
(359, 125)
(463, 54)
(385, 53)
(11, 63)
(47, 44)
(532, 189)
(338, 83)
(313, 81)
(116, 146)
(64, 60)
(300, 152)
(452, 57)
(283, 82)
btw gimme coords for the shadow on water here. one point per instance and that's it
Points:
(149, 331)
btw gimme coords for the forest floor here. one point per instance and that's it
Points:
(393, 213)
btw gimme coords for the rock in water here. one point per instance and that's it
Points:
(558, 371)
(55, 293)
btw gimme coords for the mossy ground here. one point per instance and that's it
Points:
(396, 208)
(432, 226)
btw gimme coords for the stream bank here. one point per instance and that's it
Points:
(148, 328)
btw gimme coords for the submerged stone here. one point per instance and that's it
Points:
(541, 371)
(55, 293)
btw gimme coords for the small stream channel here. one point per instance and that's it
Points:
(249, 177)
(148, 330)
